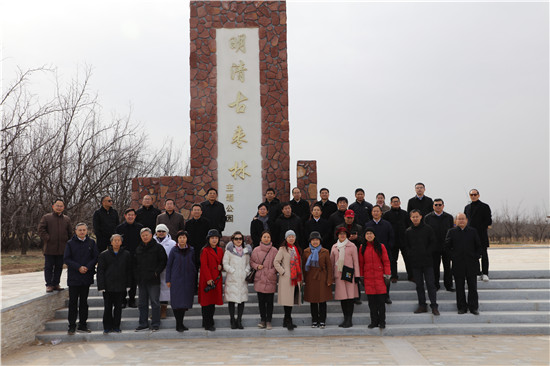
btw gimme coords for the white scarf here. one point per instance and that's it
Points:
(341, 254)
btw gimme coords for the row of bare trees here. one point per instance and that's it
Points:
(64, 148)
(519, 226)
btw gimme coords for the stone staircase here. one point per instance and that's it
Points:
(513, 302)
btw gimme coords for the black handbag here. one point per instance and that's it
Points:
(347, 274)
(252, 274)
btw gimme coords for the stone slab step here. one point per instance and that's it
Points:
(464, 328)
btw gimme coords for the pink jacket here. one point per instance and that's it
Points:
(345, 290)
(266, 278)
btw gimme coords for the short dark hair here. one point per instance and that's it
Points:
(169, 199)
(270, 190)
(473, 189)
(359, 190)
(376, 206)
(420, 184)
(196, 205)
(182, 233)
(103, 197)
(298, 188)
(439, 200)
(317, 205)
(129, 210)
(392, 197)
(341, 199)
(324, 189)
(265, 232)
(212, 189)
(263, 204)
(415, 211)
(55, 200)
(284, 204)
(381, 194)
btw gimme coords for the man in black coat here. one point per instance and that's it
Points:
(150, 261)
(130, 230)
(400, 221)
(327, 206)
(299, 206)
(420, 202)
(420, 244)
(259, 224)
(479, 217)
(105, 222)
(288, 221)
(465, 247)
(361, 207)
(337, 217)
(197, 227)
(213, 210)
(440, 221)
(385, 235)
(273, 204)
(147, 213)
(317, 223)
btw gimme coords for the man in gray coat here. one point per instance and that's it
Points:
(171, 218)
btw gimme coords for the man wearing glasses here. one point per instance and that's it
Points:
(441, 222)
(479, 217)
(105, 222)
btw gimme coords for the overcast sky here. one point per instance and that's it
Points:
(382, 94)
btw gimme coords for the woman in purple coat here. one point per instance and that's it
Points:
(180, 278)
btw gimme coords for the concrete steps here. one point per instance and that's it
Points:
(511, 303)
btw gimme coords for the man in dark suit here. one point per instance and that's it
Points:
(479, 217)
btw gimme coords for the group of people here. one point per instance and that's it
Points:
(313, 255)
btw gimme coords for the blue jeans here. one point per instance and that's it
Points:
(53, 266)
(149, 293)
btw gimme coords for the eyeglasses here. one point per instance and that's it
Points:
(474, 194)
(438, 204)
(109, 200)
(238, 238)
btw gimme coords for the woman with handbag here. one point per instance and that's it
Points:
(236, 263)
(345, 264)
(288, 264)
(265, 278)
(376, 272)
(210, 279)
(318, 279)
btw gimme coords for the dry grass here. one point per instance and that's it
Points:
(14, 262)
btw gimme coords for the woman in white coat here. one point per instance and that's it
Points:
(163, 238)
(236, 263)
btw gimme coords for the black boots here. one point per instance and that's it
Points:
(179, 314)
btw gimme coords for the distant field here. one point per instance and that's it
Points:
(13, 263)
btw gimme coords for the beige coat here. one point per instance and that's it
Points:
(287, 295)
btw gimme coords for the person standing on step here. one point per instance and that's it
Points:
(328, 207)
(130, 231)
(147, 213)
(355, 231)
(171, 217)
(299, 206)
(273, 204)
(197, 227)
(288, 264)
(214, 211)
(440, 221)
(420, 202)
(114, 275)
(55, 230)
(210, 279)
(149, 262)
(162, 237)
(80, 257)
(288, 220)
(479, 217)
(265, 280)
(420, 244)
(337, 217)
(236, 263)
(105, 221)
(318, 279)
(259, 224)
(317, 223)
(465, 248)
(180, 278)
(361, 207)
(400, 221)
(375, 270)
(381, 202)
(345, 264)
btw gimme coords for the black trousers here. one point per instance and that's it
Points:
(265, 302)
(318, 312)
(484, 260)
(347, 307)
(78, 304)
(377, 307)
(208, 315)
(240, 309)
(131, 293)
(426, 273)
(444, 257)
(461, 303)
(111, 317)
(393, 262)
(53, 266)
(179, 314)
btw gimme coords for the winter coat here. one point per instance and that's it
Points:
(181, 273)
(55, 231)
(80, 253)
(345, 290)
(274, 210)
(362, 211)
(465, 248)
(105, 223)
(167, 243)
(301, 209)
(215, 214)
(174, 222)
(334, 220)
(385, 208)
(147, 216)
(420, 245)
(479, 217)
(256, 230)
(236, 268)
(197, 230)
(210, 259)
(287, 294)
(400, 221)
(373, 268)
(114, 271)
(425, 205)
(265, 280)
(323, 228)
(328, 208)
(130, 235)
(383, 231)
(149, 262)
(318, 280)
(440, 225)
(283, 224)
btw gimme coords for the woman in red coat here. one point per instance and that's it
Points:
(375, 267)
(210, 279)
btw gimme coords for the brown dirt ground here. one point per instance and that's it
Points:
(13, 263)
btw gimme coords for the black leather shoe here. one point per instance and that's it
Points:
(461, 311)
(388, 301)
(371, 325)
(475, 312)
(382, 325)
(421, 309)
(451, 289)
